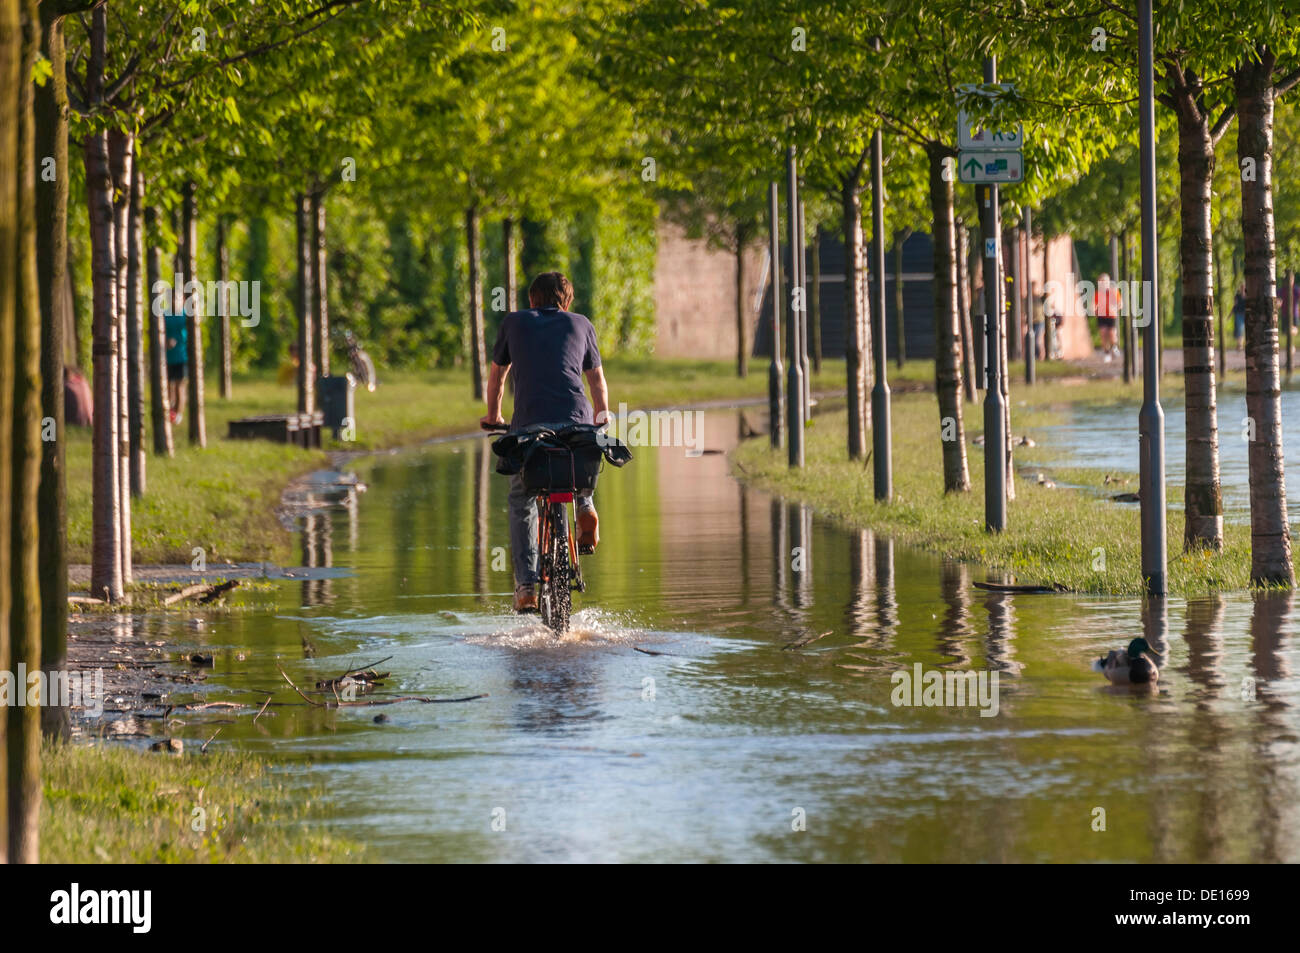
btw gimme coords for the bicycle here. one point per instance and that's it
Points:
(559, 573)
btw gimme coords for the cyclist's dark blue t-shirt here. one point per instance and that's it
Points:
(547, 350)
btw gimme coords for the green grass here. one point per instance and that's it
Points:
(111, 804)
(1053, 535)
(223, 498)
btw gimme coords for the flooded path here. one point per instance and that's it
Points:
(730, 736)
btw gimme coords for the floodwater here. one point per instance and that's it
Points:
(731, 742)
(1091, 432)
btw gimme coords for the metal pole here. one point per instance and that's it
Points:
(794, 372)
(1014, 336)
(803, 317)
(1031, 339)
(775, 402)
(1151, 419)
(995, 436)
(882, 452)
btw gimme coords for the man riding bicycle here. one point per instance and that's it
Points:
(550, 350)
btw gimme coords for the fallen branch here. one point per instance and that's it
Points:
(204, 748)
(185, 593)
(216, 592)
(423, 699)
(1024, 590)
(805, 640)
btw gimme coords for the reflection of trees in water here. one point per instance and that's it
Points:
(859, 618)
(955, 625)
(1276, 784)
(481, 473)
(1202, 631)
(1203, 634)
(871, 614)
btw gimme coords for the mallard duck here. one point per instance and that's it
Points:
(1133, 666)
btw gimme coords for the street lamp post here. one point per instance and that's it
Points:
(1151, 419)
(794, 369)
(775, 404)
(995, 437)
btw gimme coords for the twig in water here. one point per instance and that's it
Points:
(805, 640)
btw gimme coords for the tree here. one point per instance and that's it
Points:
(1256, 87)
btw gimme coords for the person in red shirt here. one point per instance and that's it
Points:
(1106, 306)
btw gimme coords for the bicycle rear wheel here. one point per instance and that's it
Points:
(556, 596)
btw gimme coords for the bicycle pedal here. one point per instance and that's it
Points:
(586, 549)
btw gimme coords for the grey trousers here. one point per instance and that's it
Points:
(523, 529)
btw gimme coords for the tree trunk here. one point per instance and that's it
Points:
(51, 263)
(106, 543)
(512, 272)
(194, 319)
(948, 372)
(11, 65)
(854, 318)
(223, 310)
(1289, 319)
(477, 351)
(742, 345)
(815, 295)
(900, 327)
(24, 722)
(1203, 506)
(1270, 532)
(121, 159)
(158, 400)
(306, 346)
(135, 300)
(968, 342)
(320, 309)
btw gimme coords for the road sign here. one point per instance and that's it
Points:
(983, 167)
(970, 136)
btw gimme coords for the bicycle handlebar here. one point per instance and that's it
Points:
(494, 428)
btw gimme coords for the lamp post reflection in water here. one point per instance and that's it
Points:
(780, 554)
(1000, 644)
(800, 517)
(886, 602)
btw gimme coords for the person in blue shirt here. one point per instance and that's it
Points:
(178, 356)
(550, 350)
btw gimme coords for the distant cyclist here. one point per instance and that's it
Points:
(550, 349)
